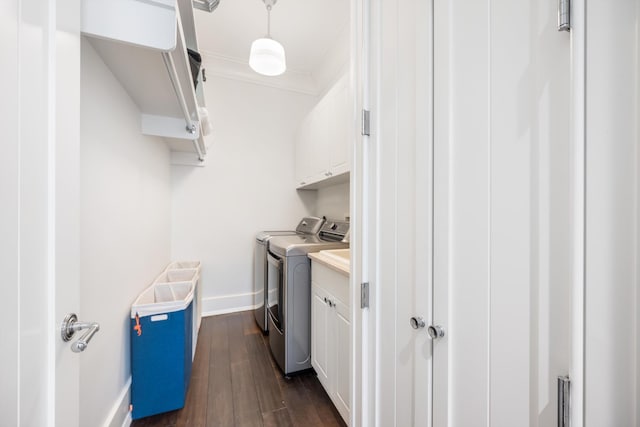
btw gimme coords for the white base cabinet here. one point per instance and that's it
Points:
(331, 335)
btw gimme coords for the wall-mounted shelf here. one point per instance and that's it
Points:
(144, 43)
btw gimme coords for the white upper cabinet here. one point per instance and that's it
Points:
(303, 151)
(338, 132)
(322, 146)
(144, 44)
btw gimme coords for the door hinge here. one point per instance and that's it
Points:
(564, 399)
(564, 15)
(366, 123)
(364, 295)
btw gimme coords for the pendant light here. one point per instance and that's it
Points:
(267, 55)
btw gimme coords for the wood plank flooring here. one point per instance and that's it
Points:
(235, 383)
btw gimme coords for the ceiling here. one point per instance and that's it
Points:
(306, 28)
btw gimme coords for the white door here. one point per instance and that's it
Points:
(487, 254)
(503, 206)
(399, 197)
(39, 109)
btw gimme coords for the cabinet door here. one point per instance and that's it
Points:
(320, 324)
(320, 125)
(342, 354)
(304, 141)
(340, 126)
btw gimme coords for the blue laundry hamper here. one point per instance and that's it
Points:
(161, 348)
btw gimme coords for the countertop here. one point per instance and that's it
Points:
(336, 259)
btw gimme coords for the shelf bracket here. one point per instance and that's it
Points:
(169, 127)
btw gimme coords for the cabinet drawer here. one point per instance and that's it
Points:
(330, 280)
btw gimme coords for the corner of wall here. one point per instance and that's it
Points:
(335, 63)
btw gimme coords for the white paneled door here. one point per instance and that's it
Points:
(39, 110)
(473, 209)
(399, 190)
(502, 212)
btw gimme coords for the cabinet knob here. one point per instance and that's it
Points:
(435, 332)
(417, 322)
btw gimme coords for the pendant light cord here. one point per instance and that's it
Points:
(269, 21)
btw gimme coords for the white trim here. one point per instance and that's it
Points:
(238, 70)
(127, 421)
(357, 87)
(224, 304)
(637, 224)
(120, 408)
(51, 86)
(578, 111)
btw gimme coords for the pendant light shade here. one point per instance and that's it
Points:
(267, 55)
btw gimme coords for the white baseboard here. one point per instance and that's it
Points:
(120, 416)
(127, 421)
(227, 304)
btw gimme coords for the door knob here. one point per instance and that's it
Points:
(417, 322)
(70, 326)
(435, 332)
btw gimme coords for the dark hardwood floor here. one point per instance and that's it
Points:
(235, 382)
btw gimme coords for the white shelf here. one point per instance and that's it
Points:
(142, 42)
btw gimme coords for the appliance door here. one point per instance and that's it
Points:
(275, 292)
(260, 284)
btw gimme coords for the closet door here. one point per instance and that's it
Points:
(401, 241)
(502, 213)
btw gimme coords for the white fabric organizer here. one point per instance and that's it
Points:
(181, 270)
(162, 298)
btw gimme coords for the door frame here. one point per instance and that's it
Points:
(578, 137)
(362, 386)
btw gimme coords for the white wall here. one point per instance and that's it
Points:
(335, 62)
(125, 231)
(333, 201)
(611, 389)
(246, 186)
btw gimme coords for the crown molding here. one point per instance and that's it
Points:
(238, 69)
